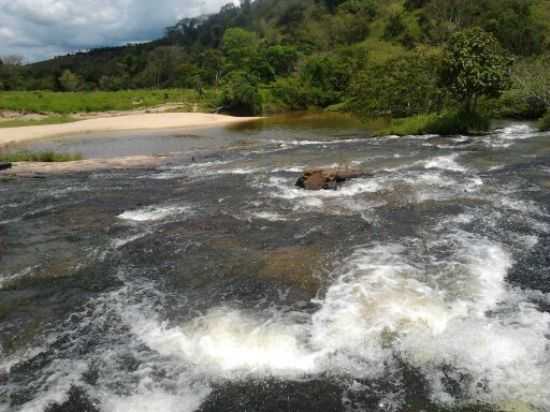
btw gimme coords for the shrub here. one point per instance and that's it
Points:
(240, 94)
(395, 27)
(401, 87)
(515, 104)
(446, 124)
(461, 122)
(544, 123)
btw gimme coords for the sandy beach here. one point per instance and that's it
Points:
(153, 121)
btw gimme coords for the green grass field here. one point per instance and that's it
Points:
(54, 119)
(74, 102)
(48, 156)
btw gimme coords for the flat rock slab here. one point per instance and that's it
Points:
(5, 165)
(328, 179)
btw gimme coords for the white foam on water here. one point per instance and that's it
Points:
(518, 131)
(345, 200)
(435, 180)
(230, 343)
(434, 323)
(506, 137)
(156, 400)
(154, 213)
(519, 205)
(68, 190)
(239, 171)
(446, 163)
(290, 169)
(61, 375)
(285, 189)
(269, 216)
(456, 314)
(316, 142)
(188, 170)
(7, 279)
(447, 317)
(121, 242)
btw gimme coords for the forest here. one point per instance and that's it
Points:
(436, 62)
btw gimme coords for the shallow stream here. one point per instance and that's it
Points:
(212, 283)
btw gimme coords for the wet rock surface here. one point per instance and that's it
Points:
(328, 179)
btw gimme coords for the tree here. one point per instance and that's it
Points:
(12, 73)
(331, 5)
(240, 94)
(395, 27)
(69, 81)
(283, 59)
(403, 86)
(240, 48)
(474, 65)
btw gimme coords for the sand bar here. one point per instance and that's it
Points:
(32, 169)
(152, 121)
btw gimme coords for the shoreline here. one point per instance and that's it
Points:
(41, 169)
(131, 122)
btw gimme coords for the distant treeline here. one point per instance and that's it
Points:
(378, 57)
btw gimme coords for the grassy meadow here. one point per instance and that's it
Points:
(46, 156)
(65, 103)
(53, 119)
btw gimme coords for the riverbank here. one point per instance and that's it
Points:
(41, 169)
(143, 121)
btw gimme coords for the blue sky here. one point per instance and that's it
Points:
(39, 29)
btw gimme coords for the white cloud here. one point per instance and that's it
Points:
(39, 29)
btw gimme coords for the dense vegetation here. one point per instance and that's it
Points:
(398, 58)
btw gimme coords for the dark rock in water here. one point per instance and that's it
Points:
(5, 165)
(4, 377)
(327, 179)
(273, 395)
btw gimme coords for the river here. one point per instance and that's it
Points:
(212, 283)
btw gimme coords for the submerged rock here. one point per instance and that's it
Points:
(296, 265)
(5, 165)
(327, 179)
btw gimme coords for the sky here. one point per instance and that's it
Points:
(40, 29)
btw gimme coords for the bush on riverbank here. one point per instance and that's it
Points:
(451, 123)
(46, 157)
(240, 95)
(544, 123)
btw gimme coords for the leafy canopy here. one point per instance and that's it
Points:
(403, 86)
(474, 65)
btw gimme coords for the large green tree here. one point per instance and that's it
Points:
(474, 65)
(403, 86)
(240, 48)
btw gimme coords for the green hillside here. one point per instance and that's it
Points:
(276, 55)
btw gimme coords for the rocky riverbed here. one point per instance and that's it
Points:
(212, 282)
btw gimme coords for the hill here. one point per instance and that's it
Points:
(302, 53)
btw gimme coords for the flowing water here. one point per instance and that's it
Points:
(213, 284)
